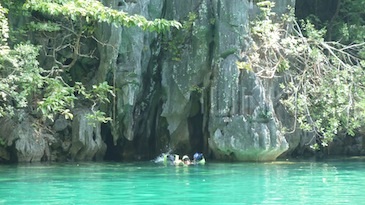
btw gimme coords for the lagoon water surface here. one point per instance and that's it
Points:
(333, 182)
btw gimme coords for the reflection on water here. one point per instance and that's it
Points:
(215, 183)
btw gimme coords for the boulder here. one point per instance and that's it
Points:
(60, 124)
(24, 140)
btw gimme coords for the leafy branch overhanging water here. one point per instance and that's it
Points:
(322, 81)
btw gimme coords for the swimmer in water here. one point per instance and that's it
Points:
(198, 158)
(186, 160)
(177, 160)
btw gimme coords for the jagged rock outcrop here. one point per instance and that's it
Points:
(243, 124)
(194, 76)
(86, 143)
(185, 70)
(186, 87)
(23, 140)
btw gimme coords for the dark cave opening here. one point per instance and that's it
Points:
(195, 124)
(113, 152)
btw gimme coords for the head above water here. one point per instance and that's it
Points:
(185, 158)
(171, 157)
(198, 156)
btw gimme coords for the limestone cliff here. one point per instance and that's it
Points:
(179, 90)
(188, 94)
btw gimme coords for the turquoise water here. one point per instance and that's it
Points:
(215, 183)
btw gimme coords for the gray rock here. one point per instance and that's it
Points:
(28, 141)
(242, 116)
(201, 62)
(4, 154)
(60, 124)
(87, 143)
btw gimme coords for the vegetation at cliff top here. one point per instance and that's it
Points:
(322, 81)
(46, 91)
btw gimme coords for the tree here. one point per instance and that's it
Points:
(323, 83)
(44, 92)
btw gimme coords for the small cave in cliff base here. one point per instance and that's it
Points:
(113, 152)
(195, 124)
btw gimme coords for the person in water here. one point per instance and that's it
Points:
(177, 160)
(198, 158)
(174, 159)
(170, 158)
(186, 160)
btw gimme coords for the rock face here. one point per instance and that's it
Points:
(86, 143)
(190, 96)
(185, 70)
(23, 141)
(26, 140)
(178, 91)
(243, 123)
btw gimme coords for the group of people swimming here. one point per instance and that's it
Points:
(174, 159)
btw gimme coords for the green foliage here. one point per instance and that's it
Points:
(323, 80)
(348, 24)
(44, 92)
(180, 39)
(92, 10)
(98, 116)
(4, 28)
(97, 95)
(23, 84)
(264, 115)
(58, 98)
(26, 85)
(20, 77)
(44, 26)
